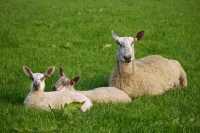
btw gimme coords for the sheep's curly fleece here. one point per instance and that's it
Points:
(150, 75)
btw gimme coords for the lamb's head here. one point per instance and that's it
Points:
(38, 78)
(64, 83)
(125, 51)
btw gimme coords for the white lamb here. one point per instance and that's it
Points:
(149, 75)
(100, 95)
(37, 98)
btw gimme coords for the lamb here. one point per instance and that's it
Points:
(100, 95)
(150, 75)
(37, 98)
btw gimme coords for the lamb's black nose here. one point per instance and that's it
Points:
(36, 85)
(127, 58)
(54, 88)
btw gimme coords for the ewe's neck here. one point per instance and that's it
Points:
(125, 69)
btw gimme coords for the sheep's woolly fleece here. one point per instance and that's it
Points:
(106, 94)
(55, 100)
(37, 98)
(100, 95)
(149, 75)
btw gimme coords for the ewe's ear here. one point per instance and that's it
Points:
(115, 36)
(74, 80)
(49, 71)
(61, 72)
(139, 35)
(27, 71)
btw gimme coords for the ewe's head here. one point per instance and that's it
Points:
(126, 46)
(64, 83)
(38, 78)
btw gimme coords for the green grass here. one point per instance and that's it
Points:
(72, 34)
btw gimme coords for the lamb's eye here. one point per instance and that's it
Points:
(132, 43)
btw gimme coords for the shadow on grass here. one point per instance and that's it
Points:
(93, 82)
(13, 98)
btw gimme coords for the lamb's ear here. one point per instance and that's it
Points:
(49, 71)
(61, 72)
(115, 36)
(27, 71)
(139, 35)
(74, 80)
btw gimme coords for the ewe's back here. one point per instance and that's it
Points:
(157, 74)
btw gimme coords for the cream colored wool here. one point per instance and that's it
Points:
(55, 100)
(37, 98)
(100, 95)
(106, 94)
(149, 75)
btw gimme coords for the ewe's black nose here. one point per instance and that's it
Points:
(128, 58)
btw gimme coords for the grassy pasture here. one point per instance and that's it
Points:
(73, 34)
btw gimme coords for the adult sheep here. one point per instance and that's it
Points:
(149, 75)
(37, 98)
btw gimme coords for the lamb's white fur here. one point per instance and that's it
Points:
(100, 95)
(149, 75)
(37, 98)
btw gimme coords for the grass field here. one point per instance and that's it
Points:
(72, 34)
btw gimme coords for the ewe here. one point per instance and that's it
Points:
(149, 75)
(100, 95)
(37, 98)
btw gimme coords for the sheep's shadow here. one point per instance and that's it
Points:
(92, 82)
(12, 98)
